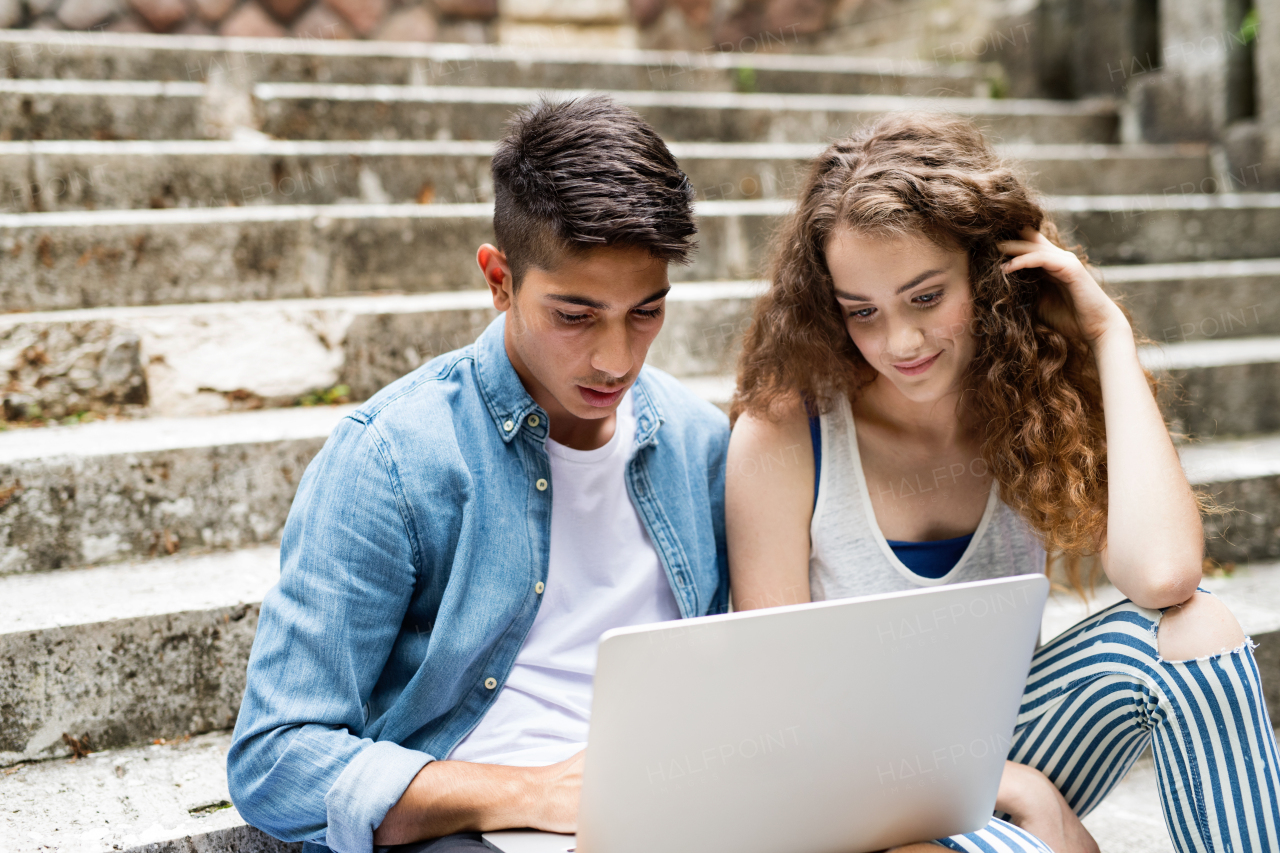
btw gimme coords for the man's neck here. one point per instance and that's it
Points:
(565, 428)
(580, 433)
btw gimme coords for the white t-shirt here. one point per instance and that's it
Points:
(603, 573)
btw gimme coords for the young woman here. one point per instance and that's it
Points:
(950, 392)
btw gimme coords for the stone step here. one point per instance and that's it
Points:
(320, 111)
(1243, 477)
(89, 805)
(122, 109)
(215, 357)
(34, 54)
(99, 175)
(1174, 227)
(162, 798)
(139, 257)
(81, 259)
(1228, 387)
(106, 491)
(1207, 300)
(173, 361)
(102, 492)
(123, 654)
(92, 637)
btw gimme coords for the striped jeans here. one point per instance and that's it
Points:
(1099, 694)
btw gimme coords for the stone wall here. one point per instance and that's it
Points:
(936, 30)
(452, 20)
(1268, 92)
(1185, 68)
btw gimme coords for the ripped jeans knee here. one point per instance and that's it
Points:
(1201, 627)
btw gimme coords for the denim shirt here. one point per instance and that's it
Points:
(407, 582)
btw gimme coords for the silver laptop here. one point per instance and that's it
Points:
(834, 727)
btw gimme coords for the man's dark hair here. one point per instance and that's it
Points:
(571, 176)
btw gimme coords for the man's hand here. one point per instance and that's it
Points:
(556, 809)
(458, 796)
(1035, 804)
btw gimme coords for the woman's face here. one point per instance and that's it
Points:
(908, 307)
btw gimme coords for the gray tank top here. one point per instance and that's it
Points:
(849, 555)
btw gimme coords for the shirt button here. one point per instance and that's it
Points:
(508, 426)
(534, 420)
(539, 587)
(541, 484)
(491, 682)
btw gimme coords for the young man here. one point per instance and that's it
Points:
(423, 669)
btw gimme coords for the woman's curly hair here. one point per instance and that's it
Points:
(1033, 390)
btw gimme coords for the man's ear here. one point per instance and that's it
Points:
(497, 274)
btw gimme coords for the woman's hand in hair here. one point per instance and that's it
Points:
(1078, 306)
(1154, 541)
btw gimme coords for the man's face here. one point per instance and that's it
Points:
(578, 335)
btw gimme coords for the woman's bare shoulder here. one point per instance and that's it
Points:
(777, 440)
(787, 416)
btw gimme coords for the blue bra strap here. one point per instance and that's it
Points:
(815, 434)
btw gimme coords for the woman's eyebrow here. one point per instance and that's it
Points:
(927, 274)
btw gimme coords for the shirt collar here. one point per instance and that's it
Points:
(504, 394)
(510, 405)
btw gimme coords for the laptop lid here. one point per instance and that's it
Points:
(833, 727)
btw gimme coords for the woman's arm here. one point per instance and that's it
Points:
(1155, 541)
(768, 507)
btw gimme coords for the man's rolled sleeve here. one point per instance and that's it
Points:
(366, 790)
(301, 766)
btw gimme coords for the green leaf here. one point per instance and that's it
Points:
(1249, 27)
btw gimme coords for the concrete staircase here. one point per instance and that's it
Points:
(214, 247)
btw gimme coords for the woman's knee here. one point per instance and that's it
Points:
(1199, 627)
